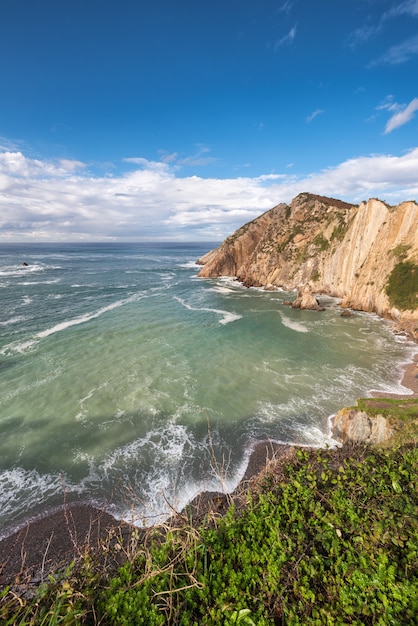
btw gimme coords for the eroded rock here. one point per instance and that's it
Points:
(353, 425)
(306, 300)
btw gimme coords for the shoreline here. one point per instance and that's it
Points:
(409, 380)
(49, 543)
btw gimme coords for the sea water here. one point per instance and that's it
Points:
(128, 382)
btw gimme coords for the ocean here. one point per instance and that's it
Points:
(128, 382)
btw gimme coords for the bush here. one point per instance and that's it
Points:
(333, 543)
(402, 287)
(331, 538)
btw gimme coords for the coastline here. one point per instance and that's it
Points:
(409, 380)
(50, 543)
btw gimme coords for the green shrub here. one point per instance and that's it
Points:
(401, 251)
(402, 286)
(332, 543)
(321, 242)
(332, 538)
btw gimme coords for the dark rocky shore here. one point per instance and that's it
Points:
(50, 543)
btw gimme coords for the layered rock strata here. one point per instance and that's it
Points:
(344, 250)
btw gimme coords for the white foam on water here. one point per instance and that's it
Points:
(220, 289)
(397, 387)
(150, 493)
(298, 433)
(24, 346)
(21, 270)
(27, 283)
(165, 276)
(169, 441)
(80, 416)
(293, 324)
(13, 320)
(163, 490)
(314, 437)
(227, 316)
(21, 491)
(18, 346)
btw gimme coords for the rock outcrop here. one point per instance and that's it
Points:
(352, 425)
(306, 300)
(340, 249)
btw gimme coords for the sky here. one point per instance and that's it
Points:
(130, 120)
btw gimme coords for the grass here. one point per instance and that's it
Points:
(326, 537)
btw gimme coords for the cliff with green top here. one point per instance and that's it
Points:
(366, 254)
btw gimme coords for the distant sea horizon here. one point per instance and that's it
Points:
(128, 382)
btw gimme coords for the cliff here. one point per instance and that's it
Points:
(365, 254)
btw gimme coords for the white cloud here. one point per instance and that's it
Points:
(148, 165)
(287, 6)
(198, 159)
(402, 115)
(389, 104)
(168, 157)
(363, 34)
(313, 115)
(399, 53)
(369, 30)
(17, 164)
(286, 39)
(62, 201)
(408, 7)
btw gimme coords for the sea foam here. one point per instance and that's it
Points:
(227, 316)
(293, 324)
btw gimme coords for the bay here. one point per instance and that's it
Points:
(127, 381)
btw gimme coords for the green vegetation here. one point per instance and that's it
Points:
(329, 537)
(322, 242)
(339, 231)
(402, 286)
(316, 275)
(403, 410)
(401, 251)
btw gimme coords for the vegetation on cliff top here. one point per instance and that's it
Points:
(329, 537)
(402, 286)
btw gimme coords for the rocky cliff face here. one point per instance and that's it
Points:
(351, 425)
(349, 251)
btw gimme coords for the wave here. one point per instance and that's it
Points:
(20, 270)
(189, 265)
(24, 491)
(227, 316)
(220, 289)
(166, 486)
(293, 324)
(13, 320)
(23, 346)
(27, 283)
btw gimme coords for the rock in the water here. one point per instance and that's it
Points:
(305, 300)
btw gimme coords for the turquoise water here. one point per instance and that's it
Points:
(127, 380)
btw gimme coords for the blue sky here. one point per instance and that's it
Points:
(183, 120)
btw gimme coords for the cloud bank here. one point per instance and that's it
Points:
(61, 200)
